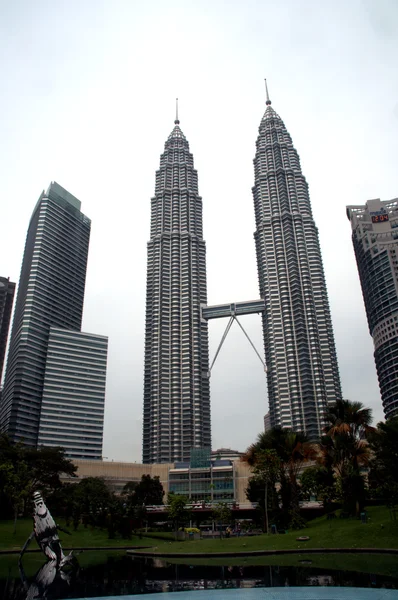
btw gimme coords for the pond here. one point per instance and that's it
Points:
(119, 574)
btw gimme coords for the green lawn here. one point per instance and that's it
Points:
(88, 537)
(379, 532)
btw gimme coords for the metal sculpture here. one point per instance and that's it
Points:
(45, 530)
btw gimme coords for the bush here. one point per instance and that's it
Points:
(157, 535)
(297, 521)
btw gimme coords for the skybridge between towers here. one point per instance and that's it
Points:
(232, 310)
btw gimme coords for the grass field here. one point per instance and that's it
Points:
(379, 532)
(92, 538)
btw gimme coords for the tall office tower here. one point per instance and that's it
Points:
(176, 384)
(375, 239)
(7, 291)
(299, 345)
(72, 410)
(50, 293)
(267, 422)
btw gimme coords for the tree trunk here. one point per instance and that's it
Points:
(176, 530)
(15, 519)
(266, 508)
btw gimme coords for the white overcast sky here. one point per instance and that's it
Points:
(87, 95)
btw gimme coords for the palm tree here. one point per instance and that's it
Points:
(346, 433)
(351, 418)
(344, 447)
(293, 450)
(343, 453)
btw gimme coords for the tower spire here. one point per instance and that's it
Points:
(268, 102)
(177, 122)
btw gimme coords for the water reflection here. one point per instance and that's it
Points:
(100, 574)
(49, 582)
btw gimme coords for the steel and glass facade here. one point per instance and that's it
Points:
(72, 410)
(50, 294)
(300, 353)
(214, 483)
(176, 383)
(7, 291)
(375, 239)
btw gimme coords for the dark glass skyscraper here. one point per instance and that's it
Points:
(176, 384)
(375, 239)
(50, 293)
(299, 345)
(7, 291)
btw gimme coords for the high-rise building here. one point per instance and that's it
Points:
(375, 239)
(72, 409)
(50, 294)
(7, 291)
(300, 353)
(267, 422)
(176, 383)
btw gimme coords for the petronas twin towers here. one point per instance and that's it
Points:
(302, 371)
(176, 384)
(299, 345)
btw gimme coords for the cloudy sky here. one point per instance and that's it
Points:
(87, 95)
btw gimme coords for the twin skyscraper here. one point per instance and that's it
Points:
(55, 382)
(302, 371)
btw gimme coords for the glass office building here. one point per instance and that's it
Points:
(50, 294)
(7, 291)
(72, 409)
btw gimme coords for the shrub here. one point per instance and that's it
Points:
(156, 535)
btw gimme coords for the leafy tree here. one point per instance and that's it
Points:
(129, 488)
(352, 491)
(46, 464)
(15, 485)
(266, 470)
(383, 474)
(294, 451)
(140, 513)
(93, 501)
(318, 481)
(148, 491)
(222, 513)
(24, 470)
(64, 502)
(384, 446)
(255, 491)
(176, 509)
